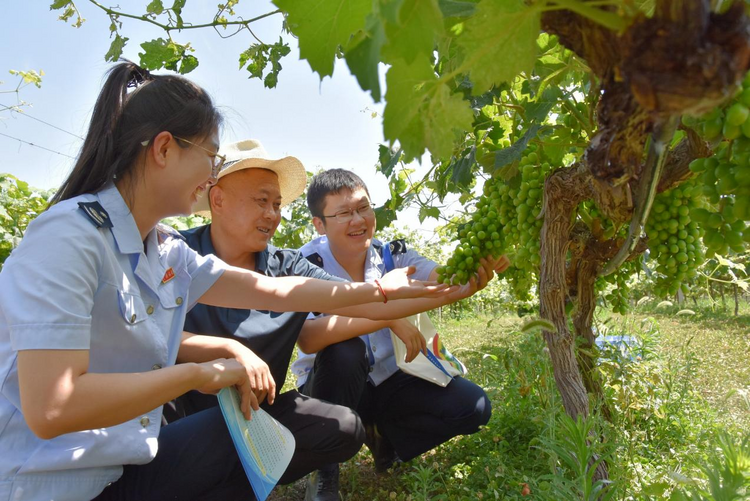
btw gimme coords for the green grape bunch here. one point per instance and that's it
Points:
(674, 237)
(723, 195)
(506, 220)
(479, 237)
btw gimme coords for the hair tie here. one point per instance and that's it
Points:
(138, 76)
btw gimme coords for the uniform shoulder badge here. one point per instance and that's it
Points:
(164, 232)
(96, 213)
(397, 246)
(315, 259)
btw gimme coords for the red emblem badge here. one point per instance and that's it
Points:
(169, 275)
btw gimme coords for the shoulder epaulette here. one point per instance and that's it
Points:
(397, 246)
(96, 214)
(165, 232)
(315, 259)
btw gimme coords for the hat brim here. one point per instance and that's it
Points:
(290, 171)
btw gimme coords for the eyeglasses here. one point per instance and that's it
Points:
(218, 159)
(344, 216)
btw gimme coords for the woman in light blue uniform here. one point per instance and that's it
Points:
(92, 306)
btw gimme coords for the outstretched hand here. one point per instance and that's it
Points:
(397, 285)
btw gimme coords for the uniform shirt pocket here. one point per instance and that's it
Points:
(132, 309)
(174, 293)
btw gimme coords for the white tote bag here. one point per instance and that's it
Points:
(439, 366)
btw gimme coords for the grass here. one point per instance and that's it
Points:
(688, 386)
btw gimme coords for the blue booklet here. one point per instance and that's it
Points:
(264, 445)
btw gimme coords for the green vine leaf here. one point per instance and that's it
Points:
(515, 151)
(188, 64)
(155, 7)
(453, 8)
(363, 55)
(462, 169)
(425, 212)
(538, 110)
(500, 42)
(384, 216)
(421, 112)
(388, 160)
(115, 49)
(419, 23)
(323, 26)
(157, 54)
(177, 7)
(258, 57)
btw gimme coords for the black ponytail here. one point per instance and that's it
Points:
(134, 106)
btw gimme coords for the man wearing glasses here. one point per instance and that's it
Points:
(405, 416)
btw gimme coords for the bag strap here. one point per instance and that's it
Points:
(388, 258)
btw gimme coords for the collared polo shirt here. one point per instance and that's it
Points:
(73, 284)
(379, 345)
(270, 334)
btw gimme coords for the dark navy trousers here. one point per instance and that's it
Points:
(196, 460)
(414, 415)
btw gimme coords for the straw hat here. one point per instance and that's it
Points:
(250, 154)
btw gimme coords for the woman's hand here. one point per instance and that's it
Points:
(410, 335)
(258, 373)
(396, 284)
(223, 372)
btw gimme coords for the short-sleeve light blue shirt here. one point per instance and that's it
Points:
(380, 347)
(75, 285)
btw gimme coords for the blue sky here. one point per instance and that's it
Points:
(325, 124)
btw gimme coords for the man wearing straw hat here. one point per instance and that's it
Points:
(245, 207)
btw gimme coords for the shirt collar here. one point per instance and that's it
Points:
(261, 258)
(124, 229)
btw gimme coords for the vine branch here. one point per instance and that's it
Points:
(168, 28)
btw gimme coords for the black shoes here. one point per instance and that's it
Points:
(383, 453)
(323, 484)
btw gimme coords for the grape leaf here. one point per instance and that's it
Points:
(323, 26)
(257, 58)
(115, 49)
(419, 22)
(59, 4)
(363, 56)
(515, 151)
(538, 110)
(388, 160)
(188, 64)
(420, 111)
(461, 169)
(384, 216)
(425, 212)
(453, 8)
(500, 41)
(157, 54)
(177, 7)
(155, 7)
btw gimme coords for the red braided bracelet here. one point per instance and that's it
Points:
(380, 287)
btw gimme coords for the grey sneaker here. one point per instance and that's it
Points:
(323, 484)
